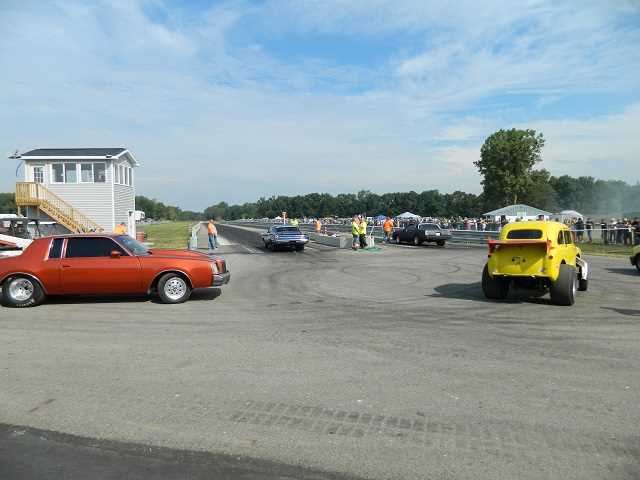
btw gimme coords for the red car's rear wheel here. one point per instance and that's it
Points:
(22, 291)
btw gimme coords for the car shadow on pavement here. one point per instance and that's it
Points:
(473, 291)
(623, 311)
(631, 271)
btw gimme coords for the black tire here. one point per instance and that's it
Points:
(173, 288)
(638, 262)
(416, 241)
(583, 285)
(494, 288)
(563, 290)
(299, 248)
(22, 291)
(440, 243)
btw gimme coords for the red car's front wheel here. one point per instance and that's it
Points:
(173, 288)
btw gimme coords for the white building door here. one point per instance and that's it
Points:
(37, 173)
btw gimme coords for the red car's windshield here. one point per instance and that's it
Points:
(132, 245)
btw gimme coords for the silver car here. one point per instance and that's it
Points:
(284, 236)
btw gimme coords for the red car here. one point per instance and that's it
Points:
(97, 264)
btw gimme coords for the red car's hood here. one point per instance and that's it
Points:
(155, 252)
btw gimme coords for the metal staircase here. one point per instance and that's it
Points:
(32, 194)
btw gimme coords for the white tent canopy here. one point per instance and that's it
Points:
(408, 215)
(570, 214)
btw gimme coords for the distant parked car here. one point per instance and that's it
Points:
(284, 236)
(421, 233)
(96, 264)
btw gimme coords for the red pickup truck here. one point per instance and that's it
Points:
(97, 264)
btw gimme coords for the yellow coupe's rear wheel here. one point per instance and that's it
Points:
(495, 288)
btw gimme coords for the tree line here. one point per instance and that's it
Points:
(159, 211)
(584, 194)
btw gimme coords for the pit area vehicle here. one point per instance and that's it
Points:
(284, 236)
(635, 257)
(96, 264)
(422, 233)
(537, 254)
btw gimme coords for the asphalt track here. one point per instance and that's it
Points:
(328, 364)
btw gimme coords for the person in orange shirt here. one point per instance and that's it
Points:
(387, 228)
(318, 226)
(212, 234)
(121, 229)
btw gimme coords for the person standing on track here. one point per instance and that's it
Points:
(355, 232)
(387, 228)
(362, 232)
(212, 234)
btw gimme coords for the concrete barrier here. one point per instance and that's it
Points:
(338, 242)
(241, 234)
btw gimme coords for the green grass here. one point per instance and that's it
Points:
(168, 235)
(601, 249)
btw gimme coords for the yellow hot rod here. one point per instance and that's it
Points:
(540, 255)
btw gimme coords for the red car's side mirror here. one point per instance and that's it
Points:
(115, 254)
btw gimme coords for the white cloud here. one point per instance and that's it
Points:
(604, 147)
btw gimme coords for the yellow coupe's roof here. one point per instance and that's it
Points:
(549, 228)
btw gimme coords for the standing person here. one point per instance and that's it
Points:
(387, 228)
(121, 229)
(620, 231)
(580, 229)
(612, 231)
(362, 232)
(627, 232)
(355, 232)
(603, 231)
(589, 227)
(212, 234)
(318, 226)
(635, 225)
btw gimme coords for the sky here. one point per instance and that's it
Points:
(234, 100)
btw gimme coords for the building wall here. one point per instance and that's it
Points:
(124, 198)
(105, 203)
(91, 199)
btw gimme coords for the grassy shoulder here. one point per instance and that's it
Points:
(601, 249)
(168, 235)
